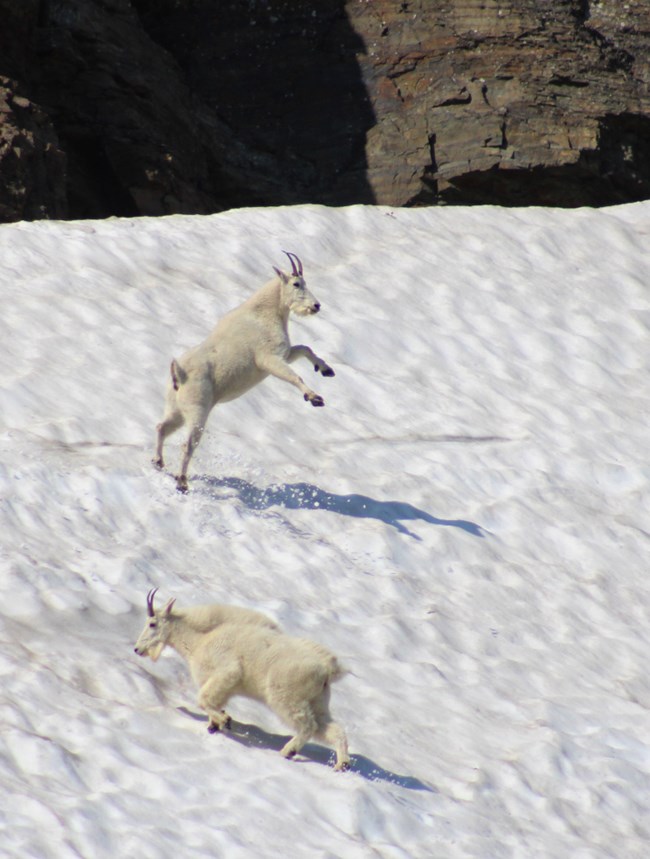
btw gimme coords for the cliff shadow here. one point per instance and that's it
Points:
(307, 496)
(285, 78)
(253, 737)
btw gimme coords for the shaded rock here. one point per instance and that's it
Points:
(32, 165)
(122, 114)
(284, 76)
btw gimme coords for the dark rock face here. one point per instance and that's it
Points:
(127, 107)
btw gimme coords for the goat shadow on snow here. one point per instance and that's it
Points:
(253, 737)
(306, 496)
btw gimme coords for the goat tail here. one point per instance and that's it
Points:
(336, 671)
(179, 376)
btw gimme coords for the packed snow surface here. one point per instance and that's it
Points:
(465, 524)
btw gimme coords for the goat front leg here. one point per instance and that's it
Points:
(306, 352)
(213, 695)
(275, 366)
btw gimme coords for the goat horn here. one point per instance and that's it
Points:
(150, 596)
(296, 271)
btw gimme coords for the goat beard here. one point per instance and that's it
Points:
(154, 652)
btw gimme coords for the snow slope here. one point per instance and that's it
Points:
(465, 524)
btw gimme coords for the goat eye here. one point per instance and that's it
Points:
(152, 625)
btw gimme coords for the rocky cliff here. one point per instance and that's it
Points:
(133, 107)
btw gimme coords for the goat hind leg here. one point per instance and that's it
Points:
(167, 426)
(306, 726)
(330, 731)
(333, 734)
(193, 438)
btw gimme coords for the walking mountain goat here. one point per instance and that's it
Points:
(248, 344)
(245, 654)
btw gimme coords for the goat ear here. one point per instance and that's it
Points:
(169, 606)
(280, 274)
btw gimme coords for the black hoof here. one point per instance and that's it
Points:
(328, 372)
(214, 727)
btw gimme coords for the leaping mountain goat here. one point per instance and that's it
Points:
(250, 343)
(239, 656)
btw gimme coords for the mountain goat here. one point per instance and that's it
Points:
(290, 675)
(248, 344)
